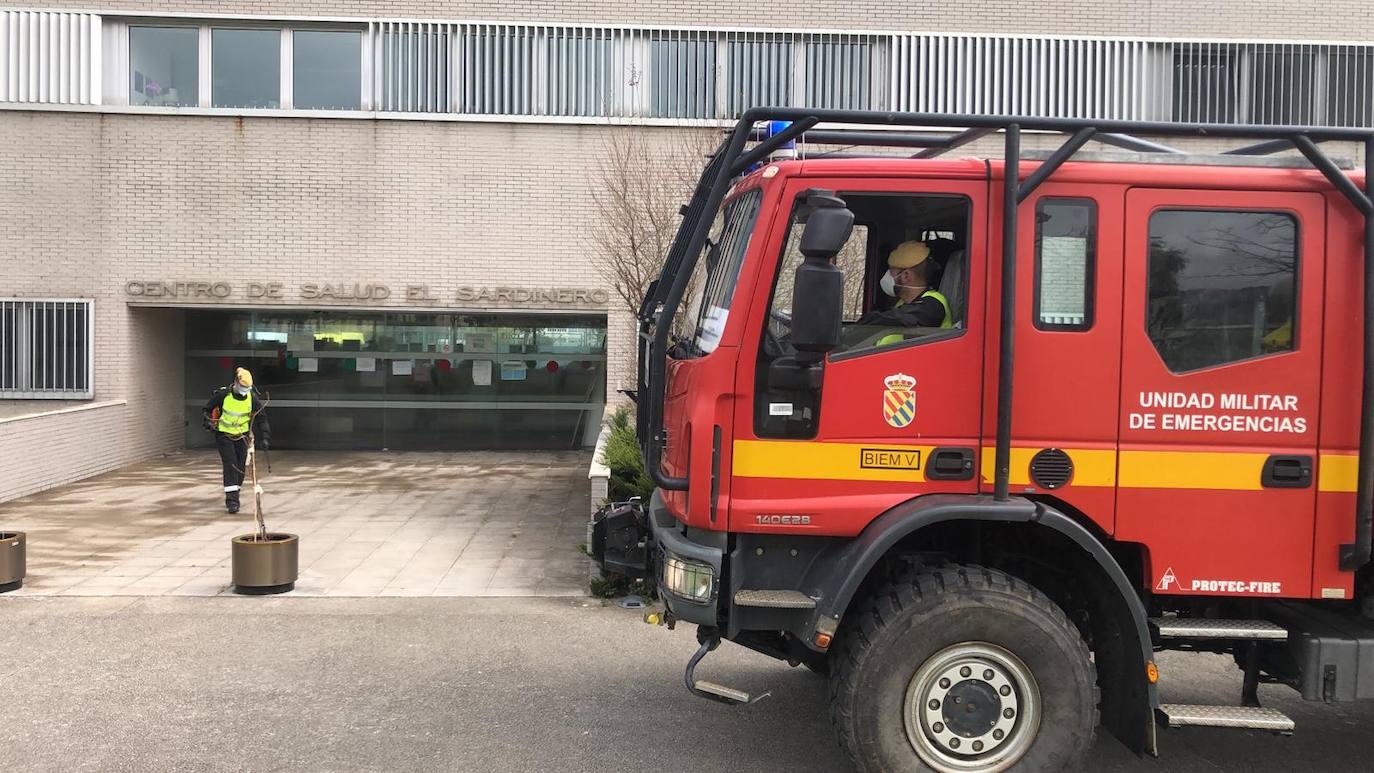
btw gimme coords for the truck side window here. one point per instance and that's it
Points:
(883, 222)
(1222, 286)
(1065, 257)
(789, 413)
(852, 260)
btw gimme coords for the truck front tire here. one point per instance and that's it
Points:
(962, 668)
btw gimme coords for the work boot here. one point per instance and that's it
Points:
(231, 501)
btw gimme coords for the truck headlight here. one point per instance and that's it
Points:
(690, 580)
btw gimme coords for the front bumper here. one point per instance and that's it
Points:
(634, 540)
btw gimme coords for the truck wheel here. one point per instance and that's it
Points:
(962, 668)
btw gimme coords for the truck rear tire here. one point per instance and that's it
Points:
(962, 668)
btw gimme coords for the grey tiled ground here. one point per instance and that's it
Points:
(387, 524)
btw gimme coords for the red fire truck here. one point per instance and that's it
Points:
(1140, 418)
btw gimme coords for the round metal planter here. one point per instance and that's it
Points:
(12, 564)
(263, 567)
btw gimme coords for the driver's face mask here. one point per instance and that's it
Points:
(888, 284)
(240, 390)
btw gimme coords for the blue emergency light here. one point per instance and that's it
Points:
(788, 149)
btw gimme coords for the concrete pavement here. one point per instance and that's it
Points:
(394, 524)
(532, 684)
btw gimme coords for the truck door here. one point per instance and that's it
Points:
(1064, 414)
(896, 414)
(1221, 363)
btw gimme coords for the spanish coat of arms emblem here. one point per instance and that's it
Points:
(899, 400)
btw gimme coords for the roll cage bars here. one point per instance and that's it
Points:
(732, 159)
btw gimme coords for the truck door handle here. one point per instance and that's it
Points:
(950, 464)
(1287, 472)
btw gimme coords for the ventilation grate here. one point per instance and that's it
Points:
(1051, 468)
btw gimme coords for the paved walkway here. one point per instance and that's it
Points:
(393, 524)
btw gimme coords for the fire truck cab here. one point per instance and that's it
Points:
(978, 437)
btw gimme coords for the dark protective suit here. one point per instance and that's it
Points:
(233, 448)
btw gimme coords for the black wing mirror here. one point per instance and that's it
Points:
(818, 291)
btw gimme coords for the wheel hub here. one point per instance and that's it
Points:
(972, 707)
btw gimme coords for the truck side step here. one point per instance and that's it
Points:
(774, 599)
(1202, 628)
(730, 694)
(1184, 715)
(710, 690)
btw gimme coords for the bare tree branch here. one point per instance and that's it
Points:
(639, 185)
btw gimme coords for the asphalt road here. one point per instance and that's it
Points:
(137, 684)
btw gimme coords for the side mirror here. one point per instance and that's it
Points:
(828, 226)
(818, 290)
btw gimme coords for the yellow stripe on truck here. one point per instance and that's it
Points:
(1093, 467)
(1224, 470)
(1338, 473)
(1216, 470)
(830, 461)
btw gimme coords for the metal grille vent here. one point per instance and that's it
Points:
(50, 57)
(1051, 468)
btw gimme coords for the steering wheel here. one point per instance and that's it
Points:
(778, 344)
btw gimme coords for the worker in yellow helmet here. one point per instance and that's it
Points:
(230, 413)
(910, 278)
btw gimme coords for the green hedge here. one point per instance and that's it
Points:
(621, 455)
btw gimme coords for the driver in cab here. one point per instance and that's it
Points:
(910, 275)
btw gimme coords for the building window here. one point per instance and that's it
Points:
(1282, 86)
(1221, 286)
(245, 68)
(684, 75)
(1350, 87)
(45, 349)
(1205, 84)
(164, 66)
(1065, 254)
(579, 72)
(839, 73)
(327, 70)
(760, 73)
(414, 62)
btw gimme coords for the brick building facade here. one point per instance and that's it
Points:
(160, 215)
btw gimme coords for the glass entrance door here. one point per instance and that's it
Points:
(383, 380)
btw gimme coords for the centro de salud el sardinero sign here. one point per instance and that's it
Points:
(362, 292)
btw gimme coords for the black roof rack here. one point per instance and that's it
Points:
(1192, 159)
(733, 157)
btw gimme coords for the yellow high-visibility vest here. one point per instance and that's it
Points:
(235, 413)
(947, 322)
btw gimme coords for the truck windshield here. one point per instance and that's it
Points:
(711, 290)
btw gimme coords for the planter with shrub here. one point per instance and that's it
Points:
(627, 480)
